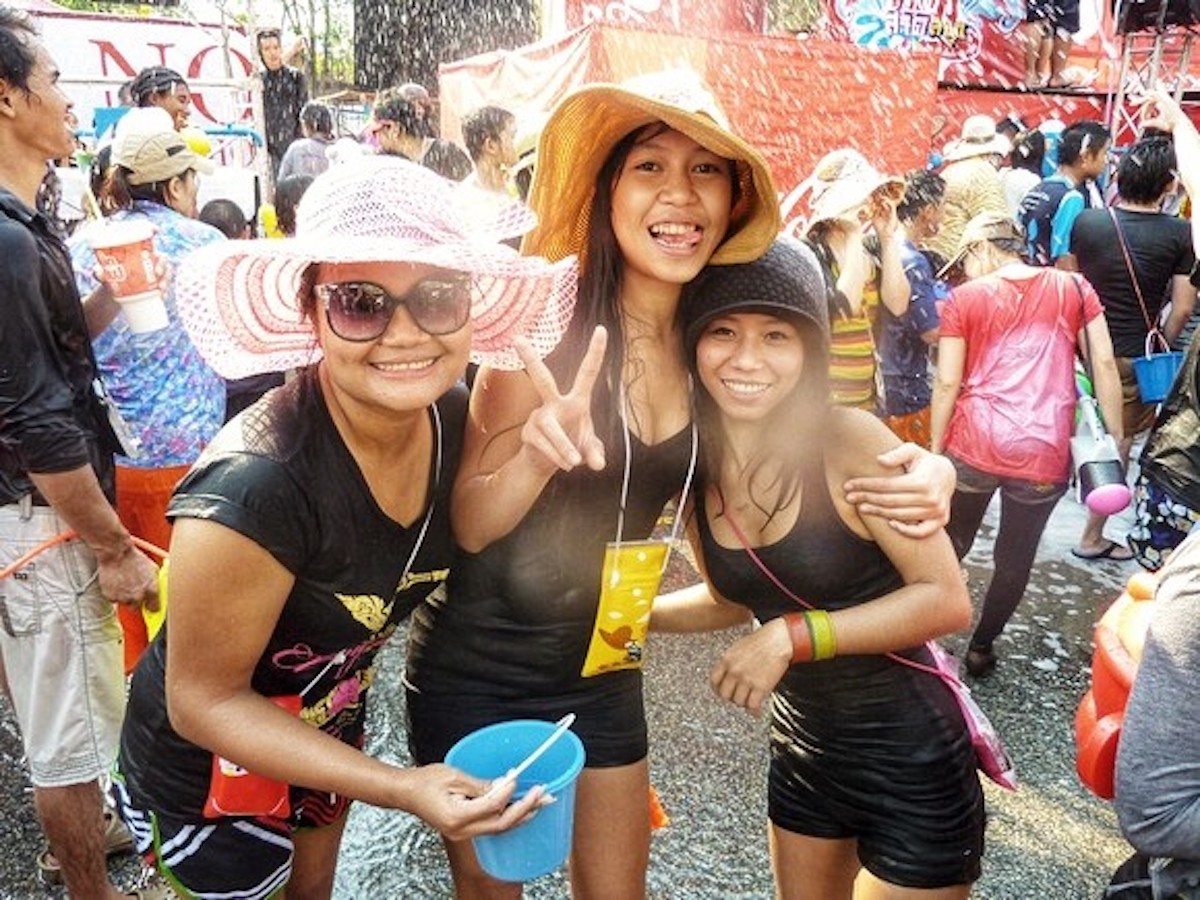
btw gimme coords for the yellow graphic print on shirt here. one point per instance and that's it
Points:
(346, 694)
(369, 610)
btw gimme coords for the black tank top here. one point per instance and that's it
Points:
(820, 559)
(515, 619)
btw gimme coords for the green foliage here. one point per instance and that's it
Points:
(793, 15)
(167, 10)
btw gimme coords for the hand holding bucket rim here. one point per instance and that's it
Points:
(560, 728)
(542, 843)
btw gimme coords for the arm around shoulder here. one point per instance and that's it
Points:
(933, 600)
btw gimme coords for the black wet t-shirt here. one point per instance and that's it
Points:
(519, 614)
(281, 475)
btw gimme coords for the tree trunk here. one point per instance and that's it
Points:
(405, 40)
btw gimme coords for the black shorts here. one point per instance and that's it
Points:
(610, 718)
(887, 762)
(1062, 15)
(247, 858)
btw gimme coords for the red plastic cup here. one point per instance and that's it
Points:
(125, 251)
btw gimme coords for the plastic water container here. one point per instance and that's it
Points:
(1119, 638)
(542, 844)
(1155, 374)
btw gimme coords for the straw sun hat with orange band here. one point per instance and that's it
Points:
(586, 126)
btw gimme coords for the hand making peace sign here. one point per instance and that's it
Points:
(561, 428)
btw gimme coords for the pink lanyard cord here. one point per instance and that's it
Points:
(774, 579)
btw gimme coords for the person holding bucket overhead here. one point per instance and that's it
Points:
(1004, 402)
(314, 523)
(872, 779)
(567, 466)
(1138, 259)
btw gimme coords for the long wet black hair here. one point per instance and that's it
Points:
(600, 280)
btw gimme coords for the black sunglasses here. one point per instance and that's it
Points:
(361, 311)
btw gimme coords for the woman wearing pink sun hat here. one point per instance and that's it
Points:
(314, 523)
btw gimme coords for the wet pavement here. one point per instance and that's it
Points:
(1049, 841)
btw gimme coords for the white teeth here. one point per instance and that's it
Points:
(672, 228)
(404, 367)
(744, 387)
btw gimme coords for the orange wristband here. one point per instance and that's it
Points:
(801, 637)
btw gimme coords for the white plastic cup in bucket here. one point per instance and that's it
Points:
(125, 251)
(542, 844)
(1155, 373)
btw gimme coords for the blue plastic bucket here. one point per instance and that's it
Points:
(1155, 374)
(540, 845)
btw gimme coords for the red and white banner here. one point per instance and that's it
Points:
(96, 53)
(679, 16)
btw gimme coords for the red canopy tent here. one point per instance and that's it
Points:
(792, 99)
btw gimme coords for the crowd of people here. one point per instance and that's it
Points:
(436, 395)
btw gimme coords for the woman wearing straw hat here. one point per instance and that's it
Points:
(972, 176)
(850, 197)
(872, 785)
(571, 464)
(313, 525)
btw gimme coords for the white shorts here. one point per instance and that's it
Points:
(61, 650)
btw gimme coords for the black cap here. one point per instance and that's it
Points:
(785, 281)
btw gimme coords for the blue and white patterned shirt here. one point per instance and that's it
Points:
(169, 397)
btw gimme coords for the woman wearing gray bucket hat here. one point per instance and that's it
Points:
(313, 525)
(872, 778)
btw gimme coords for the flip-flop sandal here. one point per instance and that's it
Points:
(116, 840)
(1113, 551)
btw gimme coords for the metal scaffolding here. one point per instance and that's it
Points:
(1157, 55)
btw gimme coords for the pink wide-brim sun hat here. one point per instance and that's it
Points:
(240, 300)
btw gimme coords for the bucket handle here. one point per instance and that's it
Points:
(1152, 336)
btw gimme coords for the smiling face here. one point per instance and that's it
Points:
(405, 368)
(749, 363)
(670, 207)
(42, 111)
(176, 100)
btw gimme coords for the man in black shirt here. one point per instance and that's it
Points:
(1112, 246)
(60, 646)
(284, 95)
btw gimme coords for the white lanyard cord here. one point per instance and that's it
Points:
(687, 481)
(340, 656)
